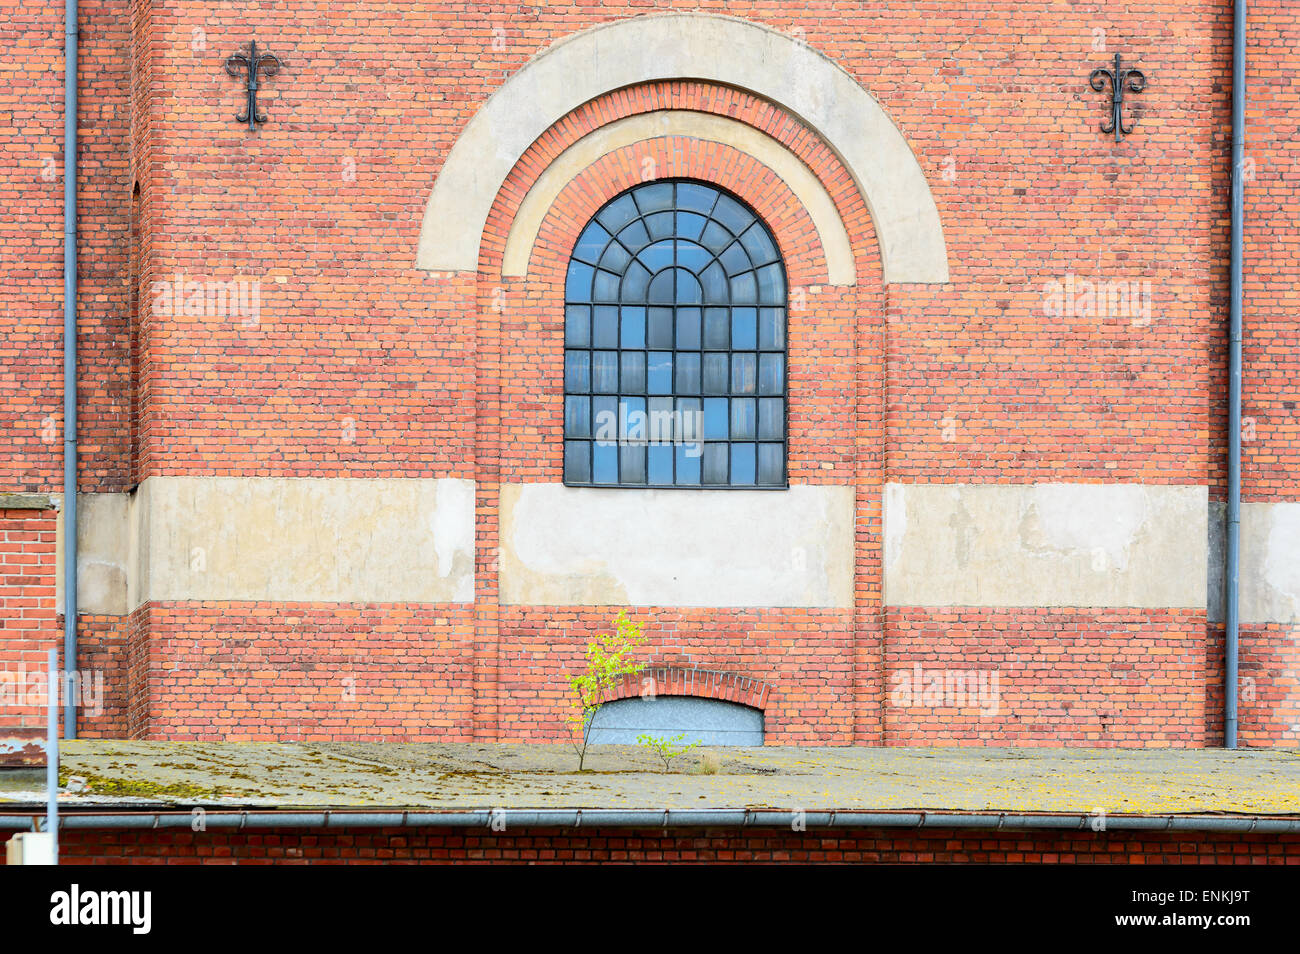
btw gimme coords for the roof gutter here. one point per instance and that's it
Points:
(507, 819)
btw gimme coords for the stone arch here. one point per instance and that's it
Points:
(690, 681)
(685, 46)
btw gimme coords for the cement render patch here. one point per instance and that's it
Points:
(486, 776)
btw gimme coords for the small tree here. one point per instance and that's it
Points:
(609, 658)
(666, 749)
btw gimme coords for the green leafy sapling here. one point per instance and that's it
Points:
(608, 660)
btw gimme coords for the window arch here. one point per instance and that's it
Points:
(675, 344)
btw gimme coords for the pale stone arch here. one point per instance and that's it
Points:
(630, 130)
(691, 46)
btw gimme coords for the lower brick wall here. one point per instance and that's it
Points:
(1045, 677)
(29, 625)
(602, 846)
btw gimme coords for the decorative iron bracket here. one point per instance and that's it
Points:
(252, 64)
(1119, 78)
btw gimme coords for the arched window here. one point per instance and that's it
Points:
(704, 721)
(675, 344)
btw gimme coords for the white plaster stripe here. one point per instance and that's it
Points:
(644, 49)
(720, 129)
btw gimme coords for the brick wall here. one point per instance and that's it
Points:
(356, 364)
(601, 846)
(29, 626)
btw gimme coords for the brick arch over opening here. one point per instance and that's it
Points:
(685, 46)
(690, 681)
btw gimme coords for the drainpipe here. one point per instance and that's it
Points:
(1232, 568)
(69, 361)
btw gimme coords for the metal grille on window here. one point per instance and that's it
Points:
(675, 344)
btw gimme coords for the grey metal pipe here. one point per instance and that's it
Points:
(52, 753)
(69, 362)
(1232, 559)
(517, 819)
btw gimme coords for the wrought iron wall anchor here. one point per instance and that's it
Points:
(252, 64)
(1134, 80)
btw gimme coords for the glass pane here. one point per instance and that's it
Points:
(744, 325)
(690, 225)
(660, 372)
(605, 463)
(771, 373)
(715, 374)
(743, 371)
(659, 333)
(660, 225)
(605, 332)
(577, 285)
(732, 214)
(577, 417)
(632, 419)
(604, 372)
(696, 198)
(713, 280)
(742, 419)
(662, 420)
(743, 290)
(636, 281)
(631, 464)
(715, 329)
(661, 464)
(657, 257)
(771, 285)
(662, 291)
(633, 328)
(577, 462)
(615, 258)
(618, 213)
(690, 419)
(656, 196)
(688, 288)
(735, 259)
(577, 371)
(695, 258)
(771, 464)
(688, 329)
(742, 463)
(715, 238)
(771, 418)
(688, 463)
(688, 374)
(634, 237)
(715, 419)
(771, 328)
(591, 243)
(633, 380)
(605, 287)
(714, 464)
(605, 419)
(758, 245)
(577, 326)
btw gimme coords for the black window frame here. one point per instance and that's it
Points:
(581, 339)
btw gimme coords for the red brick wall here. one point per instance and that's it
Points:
(359, 365)
(29, 626)
(602, 846)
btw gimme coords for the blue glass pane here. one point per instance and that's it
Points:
(734, 259)
(715, 238)
(714, 464)
(591, 243)
(690, 225)
(742, 463)
(606, 286)
(661, 225)
(577, 462)
(605, 333)
(577, 326)
(634, 237)
(771, 285)
(771, 374)
(694, 257)
(695, 198)
(744, 370)
(657, 257)
(631, 460)
(659, 331)
(632, 333)
(663, 290)
(604, 372)
(605, 463)
(716, 332)
(743, 416)
(577, 285)
(688, 463)
(577, 416)
(715, 374)
(713, 280)
(577, 371)
(659, 373)
(744, 328)
(662, 420)
(688, 288)
(604, 419)
(615, 258)
(661, 464)
(744, 291)
(771, 464)
(760, 248)
(618, 213)
(632, 419)
(771, 328)
(688, 329)
(633, 380)
(656, 196)
(715, 419)
(688, 374)
(771, 418)
(690, 419)
(635, 282)
(732, 214)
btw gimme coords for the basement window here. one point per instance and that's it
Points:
(703, 721)
(675, 344)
